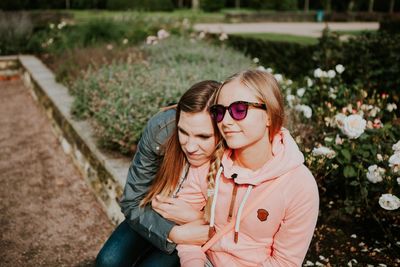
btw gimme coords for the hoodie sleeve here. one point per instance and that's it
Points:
(195, 187)
(191, 256)
(193, 192)
(293, 238)
(145, 221)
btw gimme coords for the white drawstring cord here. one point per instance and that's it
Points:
(239, 214)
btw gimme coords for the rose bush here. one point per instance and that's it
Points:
(351, 142)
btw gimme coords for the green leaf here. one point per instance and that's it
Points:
(349, 171)
(346, 154)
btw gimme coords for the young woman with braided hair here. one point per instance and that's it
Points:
(265, 201)
(156, 220)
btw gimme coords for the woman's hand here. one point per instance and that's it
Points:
(193, 233)
(175, 210)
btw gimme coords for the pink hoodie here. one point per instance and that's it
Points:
(279, 230)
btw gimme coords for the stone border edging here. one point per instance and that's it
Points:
(105, 173)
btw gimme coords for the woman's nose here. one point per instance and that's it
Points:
(191, 146)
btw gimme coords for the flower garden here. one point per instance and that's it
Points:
(348, 126)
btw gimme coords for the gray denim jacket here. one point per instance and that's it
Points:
(149, 154)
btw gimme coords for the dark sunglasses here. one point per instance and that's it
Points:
(237, 110)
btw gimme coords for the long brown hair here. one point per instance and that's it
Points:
(196, 99)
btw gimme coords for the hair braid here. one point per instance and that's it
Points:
(214, 166)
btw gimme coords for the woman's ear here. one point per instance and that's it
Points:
(268, 120)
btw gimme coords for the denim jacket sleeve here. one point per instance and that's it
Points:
(145, 221)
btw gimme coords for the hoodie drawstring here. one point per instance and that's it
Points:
(239, 214)
(211, 231)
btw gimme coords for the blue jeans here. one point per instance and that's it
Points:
(126, 248)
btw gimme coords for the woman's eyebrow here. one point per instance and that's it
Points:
(182, 130)
(204, 135)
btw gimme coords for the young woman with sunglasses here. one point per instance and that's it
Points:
(265, 201)
(145, 238)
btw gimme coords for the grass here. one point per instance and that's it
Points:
(305, 40)
(354, 33)
(192, 16)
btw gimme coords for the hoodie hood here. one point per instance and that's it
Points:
(285, 157)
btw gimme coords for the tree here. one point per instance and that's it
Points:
(371, 6)
(195, 4)
(237, 4)
(391, 6)
(350, 6)
(306, 5)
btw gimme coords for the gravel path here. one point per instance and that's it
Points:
(48, 215)
(294, 28)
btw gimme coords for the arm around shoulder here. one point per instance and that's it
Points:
(141, 173)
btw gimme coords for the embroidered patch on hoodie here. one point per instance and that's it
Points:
(262, 214)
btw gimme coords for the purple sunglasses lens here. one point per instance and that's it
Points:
(238, 110)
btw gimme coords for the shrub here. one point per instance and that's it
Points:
(282, 56)
(349, 131)
(372, 60)
(121, 97)
(15, 31)
(212, 5)
(148, 5)
(390, 25)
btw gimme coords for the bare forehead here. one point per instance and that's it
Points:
(236, 91)
(196, 123)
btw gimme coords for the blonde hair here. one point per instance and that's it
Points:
(268, 92)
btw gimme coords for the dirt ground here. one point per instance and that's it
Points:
(48, 215)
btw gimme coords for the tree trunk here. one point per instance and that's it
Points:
(237, 4)
(391, 7)
(180, 3)
(195, 4)
(371, 6)
(67, 4)
(328, 6)
(306, 5)
(350, 6)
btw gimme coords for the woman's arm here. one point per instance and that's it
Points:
(176, 210)
(293, 238)
(142, 171)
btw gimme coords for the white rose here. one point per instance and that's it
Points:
(278, 77)
(261, 68)
(318, 73)
(162, 34)
(353, 126)
(269, 70)
(306, 110)
(391, 107)
(339, 68)
(396, 147)
(223, 37)
(339, 119)
(323, 151)
(290, 99)
(389, 202)
(151, 40)
(338, 140)
(374, 174)
(331, 74)
(309, 82)
(256, 60)
(394, 160)
(300, 92)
